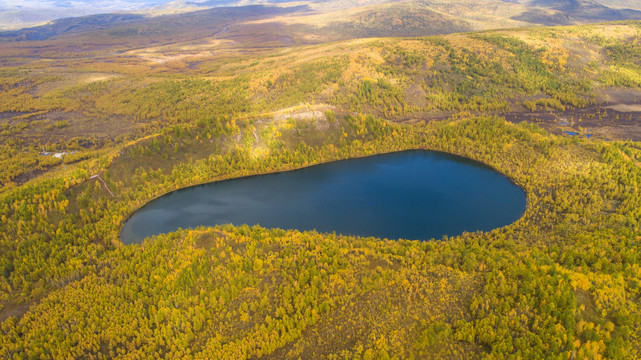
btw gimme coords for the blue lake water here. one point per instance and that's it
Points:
(411, 195)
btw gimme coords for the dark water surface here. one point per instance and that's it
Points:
(410, 195)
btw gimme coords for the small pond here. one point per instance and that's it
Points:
(410, 195)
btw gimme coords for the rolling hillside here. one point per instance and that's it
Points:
(102, 114)
(333, 19)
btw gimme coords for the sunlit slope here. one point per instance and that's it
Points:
(567, 78)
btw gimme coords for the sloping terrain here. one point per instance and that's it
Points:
(582, 80)
(575, 11)
(94, 124)
(334, 20)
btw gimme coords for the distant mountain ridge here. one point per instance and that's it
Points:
(28, 13)
(328, 20)
(71, 25)
(15, 15)
(127, 27)
(575, 11)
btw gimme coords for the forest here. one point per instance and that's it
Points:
(561, 282)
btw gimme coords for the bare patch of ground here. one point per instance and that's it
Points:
(625, 108)
(311, 113)
(99, 77)
(7, 115)
(26, 176)
(16, 310)
(602, 122)
(617, 116)
(608, 121)
(615, 96)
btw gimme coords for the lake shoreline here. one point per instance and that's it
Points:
(246, 177)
